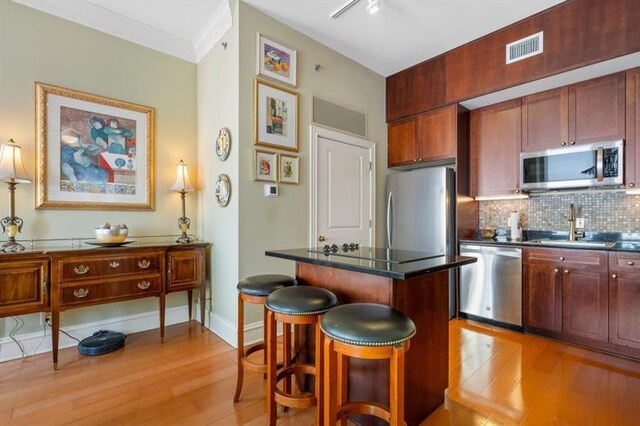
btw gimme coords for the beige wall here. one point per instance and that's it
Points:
(38, 47)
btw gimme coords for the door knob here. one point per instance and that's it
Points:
(322, 238)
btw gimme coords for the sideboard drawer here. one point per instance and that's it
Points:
(81, 268)
(103, 291)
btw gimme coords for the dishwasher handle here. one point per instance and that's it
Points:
(496, 251)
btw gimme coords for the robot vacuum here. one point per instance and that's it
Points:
(101, 342)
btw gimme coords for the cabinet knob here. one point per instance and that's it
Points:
(561, 257)
(517, 191)
(566, 271)
(419, 159)
(144, 264)
(563, 143)
(143, 285)
(572, 143)
(415, 160)
(614, 276)
(632, 185)
(630, 263)
(556, 270)
(81, 269)
(81, 292)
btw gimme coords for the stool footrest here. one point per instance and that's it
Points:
(362, 407)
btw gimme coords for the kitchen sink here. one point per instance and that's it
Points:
(567, 243)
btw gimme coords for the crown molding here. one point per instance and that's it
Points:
(216, 27)
(104, 20)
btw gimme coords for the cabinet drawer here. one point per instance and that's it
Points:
(85, 267)
(624, 261)
(96, 292)
(585, 259)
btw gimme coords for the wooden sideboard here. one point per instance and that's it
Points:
(58, 280)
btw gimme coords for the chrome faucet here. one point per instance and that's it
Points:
(572, 222)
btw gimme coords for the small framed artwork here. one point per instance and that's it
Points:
(265, 166)
(94, 153)
(276, 116)
(276, 61)
(287, 168)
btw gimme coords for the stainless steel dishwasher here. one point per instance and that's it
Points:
(492, 287)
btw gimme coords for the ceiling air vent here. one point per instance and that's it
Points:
(524, 48)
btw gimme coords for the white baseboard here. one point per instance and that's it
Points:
(37, 343)
(228, 332)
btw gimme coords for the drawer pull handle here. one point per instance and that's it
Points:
(561, 257)
(144, 264)
(81, 292)
(614, 276)
(143, 285)
(114, 264)
(81, 269)
(566, 271)
(630, 263)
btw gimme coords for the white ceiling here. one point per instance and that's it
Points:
(401, 34)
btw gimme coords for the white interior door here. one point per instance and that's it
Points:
(343, 195)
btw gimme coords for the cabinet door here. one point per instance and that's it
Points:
(585, 303)
(624, 326)
(402, 144)
(632, 150)
(23, 286)
(545, 120)
(542, 296)
(185, 269)
(495, 149)
(437, 134)
(597, 109)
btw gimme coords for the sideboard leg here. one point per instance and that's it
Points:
(55, 334)
(162, 307)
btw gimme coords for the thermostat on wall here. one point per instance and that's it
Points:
(270, 190)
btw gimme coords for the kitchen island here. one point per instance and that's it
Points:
(412, 282)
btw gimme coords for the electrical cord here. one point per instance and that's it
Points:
(17, 327)
(48, 321)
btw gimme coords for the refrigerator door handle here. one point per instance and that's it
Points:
(389, 219)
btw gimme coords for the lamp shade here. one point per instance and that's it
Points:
(182, 179)
(11, 168)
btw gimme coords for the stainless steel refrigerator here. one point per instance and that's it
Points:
(421, 214)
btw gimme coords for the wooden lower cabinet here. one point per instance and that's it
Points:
(624, 299)
(542, 296)
(585, 303)
(23, 284)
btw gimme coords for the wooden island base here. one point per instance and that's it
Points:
(425, 299)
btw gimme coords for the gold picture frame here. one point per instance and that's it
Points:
(265, 166)
(288, 168)
(94, 153)
(275, 116)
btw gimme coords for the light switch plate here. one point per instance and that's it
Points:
(580, 223)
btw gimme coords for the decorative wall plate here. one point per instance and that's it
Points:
(223, 190)
(223, 144)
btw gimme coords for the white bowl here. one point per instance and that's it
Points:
(106, 235)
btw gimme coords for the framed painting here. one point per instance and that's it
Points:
(94, 153)
(276, 116)
(288, 168)
(265, 166)
(276, 61)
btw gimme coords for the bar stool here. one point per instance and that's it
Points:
(300, 305)
(365, 331)
(255, 290)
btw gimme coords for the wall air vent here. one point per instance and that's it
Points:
(525, 48)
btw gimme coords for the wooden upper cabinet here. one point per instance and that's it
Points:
(437, 130)
(430, 136)
(545, 120)
(416, 89)
(402, 146)
(495, 148)
(597, 109)
(632, 152)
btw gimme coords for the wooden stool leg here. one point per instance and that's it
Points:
(272, 349)
(318, 382)
(342, 387)
(329, 374)
(240, 350)
(264, 337)
(286, 354)
(396, 386)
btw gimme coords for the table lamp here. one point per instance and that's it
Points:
(183, 185)
(12, 172)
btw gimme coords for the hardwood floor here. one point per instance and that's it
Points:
(496, 377)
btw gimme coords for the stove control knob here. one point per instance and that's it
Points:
(334, 248)
(345, 247)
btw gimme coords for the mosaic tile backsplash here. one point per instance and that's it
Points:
(604, 211)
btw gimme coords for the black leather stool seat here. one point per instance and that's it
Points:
(301, 300)
(265, 284)
(367, 324)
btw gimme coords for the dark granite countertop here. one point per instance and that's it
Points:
(406, 268)
(614, 241)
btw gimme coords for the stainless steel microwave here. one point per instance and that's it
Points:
(580, 166)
